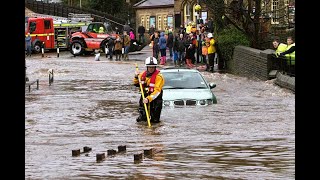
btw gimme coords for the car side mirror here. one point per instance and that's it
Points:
(212, 85)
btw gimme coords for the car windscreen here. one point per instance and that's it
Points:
(183, 80)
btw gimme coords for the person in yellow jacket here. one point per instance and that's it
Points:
(101, 30)
(152, 82)
(280, 47)
(211, 51)
(277, 61)
(290, 52)
(188, 28)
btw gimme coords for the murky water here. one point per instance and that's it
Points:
(249, 134)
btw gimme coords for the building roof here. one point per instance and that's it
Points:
(153, 3)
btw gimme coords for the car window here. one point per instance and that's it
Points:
(183, 80)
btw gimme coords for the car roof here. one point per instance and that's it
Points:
(177, 69)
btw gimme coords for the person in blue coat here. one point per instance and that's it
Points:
(163, 47)
(28, 44)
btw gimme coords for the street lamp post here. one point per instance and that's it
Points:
(128, 1)
(198, 8)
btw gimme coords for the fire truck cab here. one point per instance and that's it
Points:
(49, 35)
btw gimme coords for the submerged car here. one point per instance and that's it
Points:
(184, 87)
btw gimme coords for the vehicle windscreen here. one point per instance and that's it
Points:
(183, 80)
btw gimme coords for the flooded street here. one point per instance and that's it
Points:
(248, 134)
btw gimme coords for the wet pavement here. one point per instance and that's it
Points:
(248, 134)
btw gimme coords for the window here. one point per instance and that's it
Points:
(275, 12)
(204, 15)
(153, 21)
(170, 20)
(142, 21)
(47, 24)
(194, 13)
(187, 13)
(291, 12)
(93, 28)
(159, 23)
(32, 26)
(147, 23)
(165, 22)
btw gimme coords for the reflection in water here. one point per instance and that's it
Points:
(249, 134)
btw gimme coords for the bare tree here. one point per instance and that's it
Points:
(244, 16)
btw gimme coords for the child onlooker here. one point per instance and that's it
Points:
(118, 47)
(163, 47)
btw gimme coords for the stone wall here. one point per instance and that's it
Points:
(251, 62)
(256, 64)
(28, 12)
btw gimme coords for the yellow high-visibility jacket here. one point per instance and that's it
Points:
(281, 48)
(291, 56)
(159, 82)
(211, 47)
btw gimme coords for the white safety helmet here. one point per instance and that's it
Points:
(151, 61)
(210, 35)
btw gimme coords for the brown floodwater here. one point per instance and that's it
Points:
(248, 134)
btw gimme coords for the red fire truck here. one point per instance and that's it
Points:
(49, 35)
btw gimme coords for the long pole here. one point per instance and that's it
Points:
(142, 94)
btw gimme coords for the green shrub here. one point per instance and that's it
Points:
(227, 40)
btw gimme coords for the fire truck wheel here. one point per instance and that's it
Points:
(77, 47)
(37, 47)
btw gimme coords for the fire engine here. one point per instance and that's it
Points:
(50, 34)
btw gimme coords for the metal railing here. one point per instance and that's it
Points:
(57, 9)
(284, 64)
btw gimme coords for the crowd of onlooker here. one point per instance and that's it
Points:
(186, 46)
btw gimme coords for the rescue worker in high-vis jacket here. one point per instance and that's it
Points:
(278, 62)
(290, 52)
(152, 82)
(280, 47)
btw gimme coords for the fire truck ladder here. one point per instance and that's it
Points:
(80, 17)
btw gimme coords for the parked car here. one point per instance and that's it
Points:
(184, 87)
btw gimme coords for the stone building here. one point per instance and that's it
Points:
(162, 13)
(159, 13)
(184, 11)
